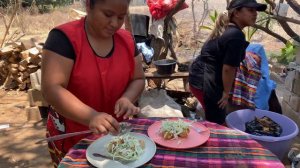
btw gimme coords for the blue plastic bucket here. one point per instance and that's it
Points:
(278, 145)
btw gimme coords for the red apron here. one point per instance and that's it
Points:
(96, 81)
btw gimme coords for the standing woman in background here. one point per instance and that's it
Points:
(91, 74)
(212, 73)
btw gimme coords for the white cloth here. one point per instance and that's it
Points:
(147, 51)
(156, 103)
(157, 28)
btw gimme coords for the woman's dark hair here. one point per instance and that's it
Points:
(93, 2)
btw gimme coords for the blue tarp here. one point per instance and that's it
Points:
(265, 84)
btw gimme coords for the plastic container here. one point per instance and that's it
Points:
(281, 9)
(165, 66)
(278, 145)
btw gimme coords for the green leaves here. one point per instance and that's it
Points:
(288, 52)
(249, 32)
(213, 18)
(206, 27)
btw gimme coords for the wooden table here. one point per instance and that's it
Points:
(151, 73)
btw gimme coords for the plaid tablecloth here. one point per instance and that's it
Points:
(224, 148)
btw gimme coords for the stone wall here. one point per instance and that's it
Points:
(298, 58)
(291, 98)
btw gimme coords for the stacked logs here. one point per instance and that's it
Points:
(17, 61)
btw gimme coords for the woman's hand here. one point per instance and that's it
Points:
(223, 101)
(103, 123)
(125, 107)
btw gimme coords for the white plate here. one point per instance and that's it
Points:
(98, 146)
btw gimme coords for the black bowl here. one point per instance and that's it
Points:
(165, 66)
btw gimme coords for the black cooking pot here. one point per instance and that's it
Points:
(165, 66)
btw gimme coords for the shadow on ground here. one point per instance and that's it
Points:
(19, 149)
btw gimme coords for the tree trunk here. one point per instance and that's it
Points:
(157, 44)
(268, 31)
(294, 5)
(289, 31)
(168, 42)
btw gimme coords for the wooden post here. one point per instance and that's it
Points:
(127, 23)
(168, 44)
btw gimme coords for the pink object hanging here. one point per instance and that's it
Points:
(160, 8)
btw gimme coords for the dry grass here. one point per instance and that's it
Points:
(38, 25)
(32, 24)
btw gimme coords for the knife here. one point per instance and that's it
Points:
(125, 127)
(63, 136)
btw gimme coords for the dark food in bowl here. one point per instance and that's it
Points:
(183, 67)
(263, 126)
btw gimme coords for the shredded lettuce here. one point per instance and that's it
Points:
(174, 127)
(125, 148)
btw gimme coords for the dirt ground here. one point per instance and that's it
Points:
(17, 143)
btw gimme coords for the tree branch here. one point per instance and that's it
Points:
(4, 20)
(283, 22)
(166, 35)
(286, 19)
(194, 18)
(288, 30)
(294, 5)
(271, 3)
(10, 22)
(271, 33)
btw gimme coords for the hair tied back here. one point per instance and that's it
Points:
(225, 12)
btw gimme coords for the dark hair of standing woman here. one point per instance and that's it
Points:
(222, 22)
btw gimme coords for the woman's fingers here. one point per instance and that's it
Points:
(128, 113)
(133, 110)
(120, 109)
(137, 110)
(125, 108)
(223, 103)
(111, 124)
(100, 129)
(117, 108)
(121, 112)
(95, 130)
(104, 123)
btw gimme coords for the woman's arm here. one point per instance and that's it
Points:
(228, 76)
(133, 91)
(56, 71)
(137, 85)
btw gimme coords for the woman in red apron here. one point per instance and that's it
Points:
(91, 74)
